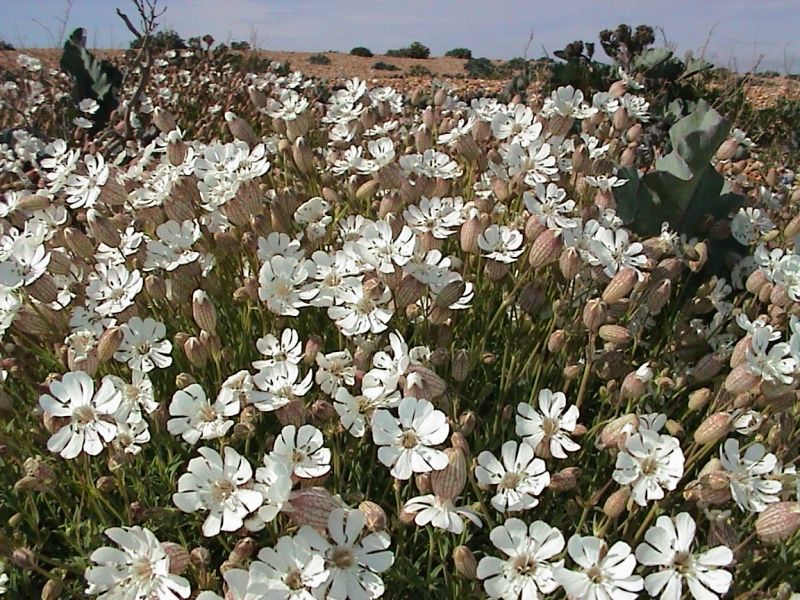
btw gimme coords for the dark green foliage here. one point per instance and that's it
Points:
(92, 78)
(415, 50)
(464, 53)
(319, 59)
(517, 63)
(243, 46)
(4, 45)
(684, 186)
(481, 68)
(384, 66)
(419, 71)
(161, 41)
(361, 51)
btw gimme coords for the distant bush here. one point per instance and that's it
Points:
(319, 59)
(4, 45)
(464, 53)
(167, 39)
(419, 71)
(481, 68)
(240, 46)
(384, 66)
(415, 50)
(361, 51)
(517, 63)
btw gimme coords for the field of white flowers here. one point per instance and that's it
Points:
(270, 337)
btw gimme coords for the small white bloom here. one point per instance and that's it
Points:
(547, 430)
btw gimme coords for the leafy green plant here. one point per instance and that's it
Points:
(481, 68)
(319, 59)
(166, 39)
(464, 53)
(384, 66)
(92, 78)
(419, 71)
(361, 51)
(415, 50)
(684, 186)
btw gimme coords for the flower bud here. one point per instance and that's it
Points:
(594, 314)
(203, 311)
(616, 334)
(164, 120)
(423, 482)
(778, 522)
(109, 343)
(374, 515)
(617, 503)
(699, 398)
(706, 368)
(240, 129)
(620, 285)
(465, 563)
(460, 365)
(741, 379)
(311, 506)
(79, 243)
(545, 249)
(102, 228)
(179, 558)
(52, 589)
(449, 482)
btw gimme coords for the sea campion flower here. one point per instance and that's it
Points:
(605, 573)
(751, 490)
(292, 570)
(354, 560)
(196, 418)
(527, 570)
(173, 247)
(280, 285)
(547, 430)
(668, 545)
(303, 451)
(405, 442)
(442, 513)
(363, 309)
(501, 243)
(113, 288)
(519, 478)
(143, 345)
(773, 365)
(550, 206)
(90, 414)
(84, 190)
(138, 569)
(217, 484)
(650, 463)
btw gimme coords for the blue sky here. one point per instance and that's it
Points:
(735, 33)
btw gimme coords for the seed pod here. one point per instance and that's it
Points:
(532, 298)
(699, 398)
(620, 285)
(741, 379)
(374, 516)
(450, 294)
(179, 558)
(565, 479)
(616, 334)
(449, 482)
(460, 365)
(102, 228)
(52, 589)
(617, 503)
(556, 341)
(79, 243)
(632, 387)
(569, 263)
(706, 368)
(196, 352)
(203, 311)
(778, 522)
(311, 506)
(545, 249)
(792, 228)
(241, 130)
(423, 482)
(713, 428)
(164, 120)
(594, 314)
(465, 563)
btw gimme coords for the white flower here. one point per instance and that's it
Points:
(279, 285)
(278, 386)
(749, 488)
(550, 206)
(90, 414)
(138, 570)
(547, 430)
(535, 162)
(137, 396)
(314, 215)
(274, 481)
(606, 573)
(611, 249)
(335, 369)
(362, 309)
(379, 248)
(668, 545)
(501, 243)
(405, 442)
(527, 571)
(431, 164)
(749, 224)
(195, 418)
(113, 288)
(567, 102)
(284, 353)
(355, 411)
(143, 347)
(173, 247)
(131, 436)
(84, 190)
(438, 216)
(773, 365)
(217, 485)
(303, 451)
(291, 570)
(651, 462)
(442, 513)
(353, 559)
(519, 479)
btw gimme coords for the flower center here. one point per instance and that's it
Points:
(342, 557)
(142, 569)
(649, 466)
(595, 575)
(409, 439)
(83, 415)
(294, 580)
(682, 562)
(207, 414)
(509, 481)
(298, 457)
(525, 565)
(223, 489)
(550, 426)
